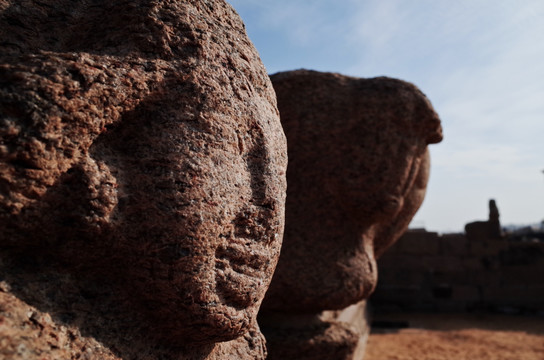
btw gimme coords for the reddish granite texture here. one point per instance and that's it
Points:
(142, 160)
(358, 170)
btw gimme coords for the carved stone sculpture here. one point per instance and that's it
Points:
(142, 179)
(358, 170)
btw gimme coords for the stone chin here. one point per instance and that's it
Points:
(350, 276)
(205, 298)
(357, 279)
(217, 323)
(210, 294)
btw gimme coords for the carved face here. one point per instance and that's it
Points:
(183, 207)
(199, 217)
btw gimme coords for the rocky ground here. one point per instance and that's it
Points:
(457, 336)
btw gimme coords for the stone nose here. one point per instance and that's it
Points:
(432, 128)
(435, 135)
(427, 121)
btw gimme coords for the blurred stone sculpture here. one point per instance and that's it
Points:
(358, 170)
(142, 179)
(485, 230)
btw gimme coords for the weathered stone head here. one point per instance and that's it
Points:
(358, 169)
(141, 144)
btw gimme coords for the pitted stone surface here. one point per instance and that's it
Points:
(358, 170)
(141, 148)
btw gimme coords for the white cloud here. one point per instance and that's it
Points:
(375, 25)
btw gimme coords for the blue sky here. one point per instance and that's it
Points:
(480, 62)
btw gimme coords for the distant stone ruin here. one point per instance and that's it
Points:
(490, 229)
(482, 270)
(358, 170)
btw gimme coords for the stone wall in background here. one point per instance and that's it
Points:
(426, 271)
